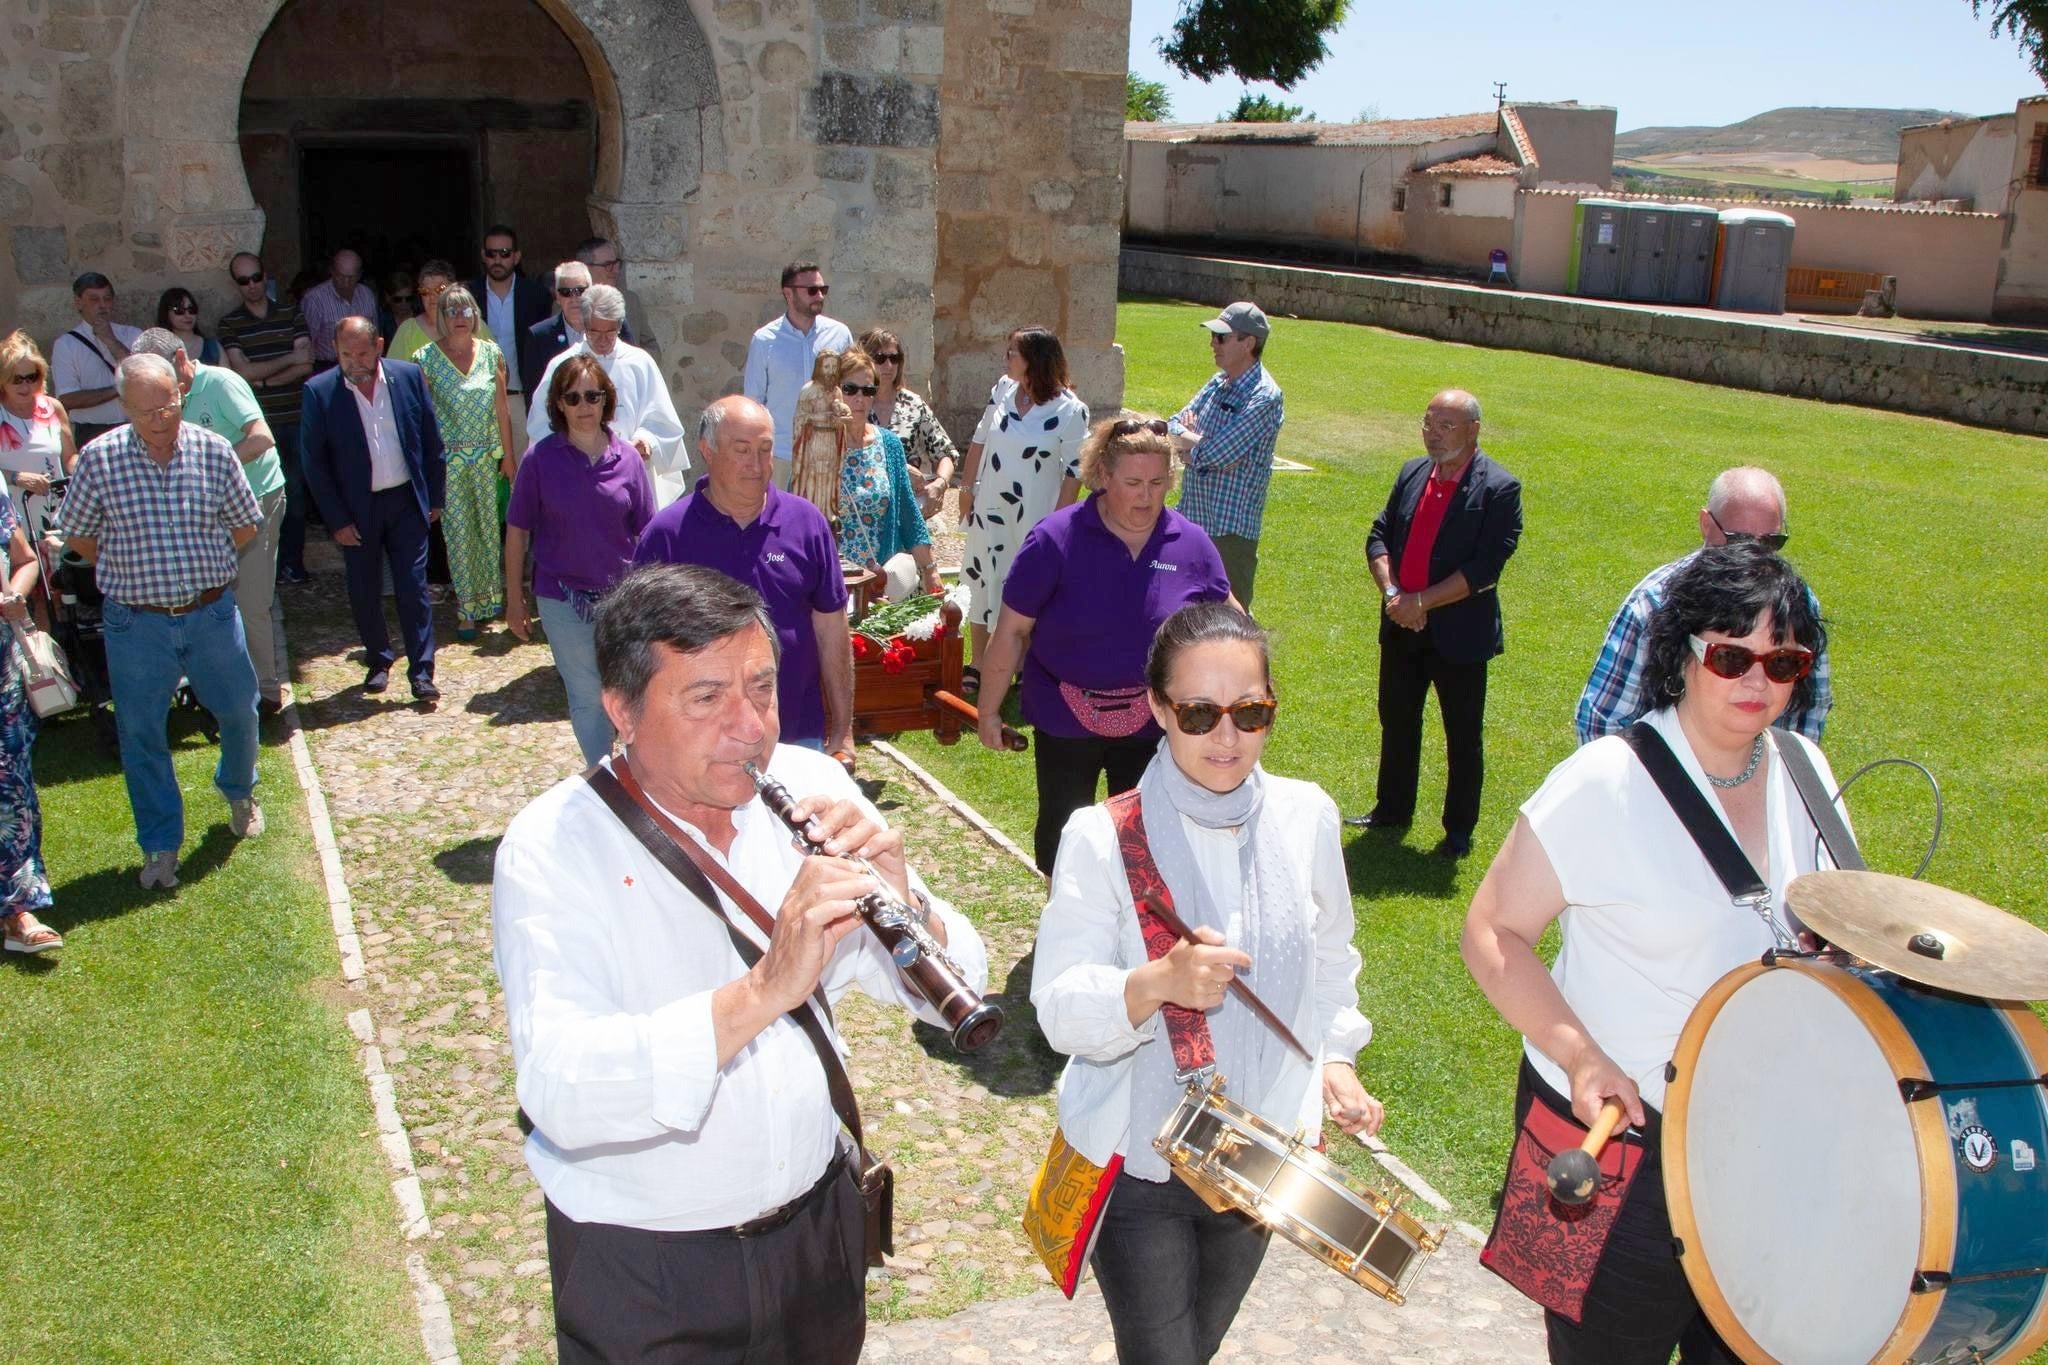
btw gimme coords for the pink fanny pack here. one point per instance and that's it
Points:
(1112, 713)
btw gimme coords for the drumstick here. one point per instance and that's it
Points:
(1574, 1175)
(1242, 991)
(1012, 740)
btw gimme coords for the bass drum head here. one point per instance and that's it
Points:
(1792, 1172)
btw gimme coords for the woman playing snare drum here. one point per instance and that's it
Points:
(1253, 866)
(1647, 925)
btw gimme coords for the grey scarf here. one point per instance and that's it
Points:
(1271, 926)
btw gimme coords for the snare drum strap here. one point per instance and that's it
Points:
(1188, 1030)
(1723, 854)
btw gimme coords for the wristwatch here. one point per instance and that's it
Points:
(1390, 592)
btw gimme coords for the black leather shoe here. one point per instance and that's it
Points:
(1455, 846)
(423, 689)
(378, 680)
(1374, 819)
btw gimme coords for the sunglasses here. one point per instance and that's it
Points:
(32, 377)
(574, 398)
(888, 360)
(865, 390)
(1786, 665)
(433, 291)
(821, 290)
(256, 278)
(570, 291)
(184, 308)
(1773, 542)
(1200, 717)
(401, 298)
(498, 253)
(1131, 426)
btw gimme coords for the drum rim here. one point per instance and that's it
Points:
(2033, 1038)
(1930, 1141)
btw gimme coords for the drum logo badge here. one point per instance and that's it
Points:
(1974, 1143)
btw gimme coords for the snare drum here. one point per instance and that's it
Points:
(1234, 1159)
(1855, 1167)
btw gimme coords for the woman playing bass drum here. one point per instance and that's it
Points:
(1253, 866)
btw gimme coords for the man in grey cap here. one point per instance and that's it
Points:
(1226, 434)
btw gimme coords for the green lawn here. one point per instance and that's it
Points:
(191, 1172)
(1924, 540)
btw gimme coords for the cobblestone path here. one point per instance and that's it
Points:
(418, 799)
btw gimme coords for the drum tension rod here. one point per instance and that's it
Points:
(1929, 1281)
(1913, 1089)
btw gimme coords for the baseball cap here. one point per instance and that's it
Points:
(1242, 318)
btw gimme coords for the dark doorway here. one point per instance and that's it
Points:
(395, 205)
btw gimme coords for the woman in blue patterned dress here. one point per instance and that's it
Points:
(24, 886)
(880, 524)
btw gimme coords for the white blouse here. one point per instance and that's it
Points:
(1089, 943)
(1647, 926)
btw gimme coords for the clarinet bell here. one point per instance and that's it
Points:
(979, 1028)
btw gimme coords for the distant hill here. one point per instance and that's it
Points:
(1870, 136)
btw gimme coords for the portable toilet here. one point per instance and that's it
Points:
(1689, 277)
(1645, 251)
(1756, 246)
(1599, 227)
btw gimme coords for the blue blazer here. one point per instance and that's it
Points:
(334, 454)
(1481, 528)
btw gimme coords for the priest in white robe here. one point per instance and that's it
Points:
(646, 415)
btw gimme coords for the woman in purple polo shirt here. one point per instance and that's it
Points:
(1088, 589)
(582, 497)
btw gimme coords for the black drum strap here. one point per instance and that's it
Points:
(1723, 854)
(1820, 805)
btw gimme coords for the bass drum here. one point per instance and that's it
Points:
(1828, 1208)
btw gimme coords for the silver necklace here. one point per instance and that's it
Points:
(1756, 756)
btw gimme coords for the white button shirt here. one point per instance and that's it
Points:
(380, 432)
(609, 967)
(779, 362)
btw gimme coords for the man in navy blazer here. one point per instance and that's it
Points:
(1437, 552)
(370, 449)
(555, 334)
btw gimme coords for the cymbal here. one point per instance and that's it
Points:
(1925, 933)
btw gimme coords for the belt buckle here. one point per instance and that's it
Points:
(185, 608)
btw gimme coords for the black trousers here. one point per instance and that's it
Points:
(1173, 1271)
(1639, 1306)
(1067, 770)
(794, 1296)
(1409, 667)
(396, 535)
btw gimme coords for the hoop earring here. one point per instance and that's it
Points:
(1674, 688)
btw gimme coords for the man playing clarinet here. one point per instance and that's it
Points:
(702, 1201)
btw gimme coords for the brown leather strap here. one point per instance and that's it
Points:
(685, 860)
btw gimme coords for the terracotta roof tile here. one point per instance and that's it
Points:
(1474, 165)
(1381, 133)
(1525, 151)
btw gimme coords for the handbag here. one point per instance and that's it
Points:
(685, 860)
(45, 672)
(1547, 1249)
(1063, 1212)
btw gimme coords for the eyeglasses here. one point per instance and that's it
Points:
(32, 377)
(167, 410)
(1131, 426)
(821, 290)
(498, 253)
(888, 360)
(1200, 717)
(570, 291)
(184, 308)
(1773, 542)
(457, 314)
(607, 265)
(574, 398)
(864, 390)
(256, 278)
(1787, 665)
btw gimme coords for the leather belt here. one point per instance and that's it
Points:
(780, 1217)
(205, 599)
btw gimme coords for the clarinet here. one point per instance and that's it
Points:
(925, 964)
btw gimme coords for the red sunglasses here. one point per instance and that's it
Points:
(1787, 665)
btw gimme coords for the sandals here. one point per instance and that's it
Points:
(27, 934)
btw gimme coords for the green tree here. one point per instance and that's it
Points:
(1257, 40)
(1145, 101)
(1258, 109)
(2024, 21)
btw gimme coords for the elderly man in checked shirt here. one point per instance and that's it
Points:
(1226, 434)
(161, 508)
(1744, 503)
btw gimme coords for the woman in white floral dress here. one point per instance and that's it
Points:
(1025, 463)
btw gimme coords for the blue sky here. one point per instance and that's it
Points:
(1739, 58)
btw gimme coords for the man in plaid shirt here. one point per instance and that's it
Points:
(1745, 503)
(161, 508)
(1226, 434)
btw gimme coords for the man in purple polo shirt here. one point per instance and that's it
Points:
(739, 523)
(1089, 588)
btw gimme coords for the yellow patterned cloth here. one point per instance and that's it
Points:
(1067, 1198)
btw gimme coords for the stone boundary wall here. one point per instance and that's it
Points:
(2009, 392)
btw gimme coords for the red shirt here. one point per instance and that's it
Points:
(1437, 492)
